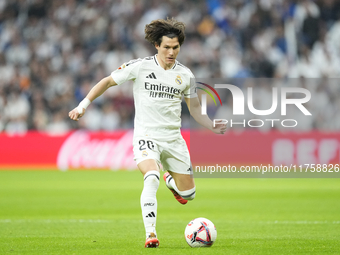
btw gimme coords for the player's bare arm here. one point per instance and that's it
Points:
(95, 92)
(195, 111)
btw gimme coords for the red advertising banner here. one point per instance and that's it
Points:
(75, 150)
(255, 148)
(32, 150)
(113, 150)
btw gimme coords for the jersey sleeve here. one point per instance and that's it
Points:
(191, 91)
(127, 72)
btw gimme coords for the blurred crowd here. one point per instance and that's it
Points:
(53, 52)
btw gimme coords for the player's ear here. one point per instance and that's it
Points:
(156, 46)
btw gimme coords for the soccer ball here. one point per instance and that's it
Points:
(200, 232)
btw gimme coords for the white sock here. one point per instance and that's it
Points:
(186, 194)
(148, 201)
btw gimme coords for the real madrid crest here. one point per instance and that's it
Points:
(178, 80)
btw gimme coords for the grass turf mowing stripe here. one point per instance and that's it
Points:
(168, 221)
(97, 212)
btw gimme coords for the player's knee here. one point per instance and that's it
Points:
(188, 194)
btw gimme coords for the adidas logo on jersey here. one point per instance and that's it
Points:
(151, 76)
(151, 215)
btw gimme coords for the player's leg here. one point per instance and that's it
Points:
(183, 181)
(183, 184)
(179, 179)
(147, 157)
(150, 170)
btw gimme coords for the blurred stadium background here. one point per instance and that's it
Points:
(53, 52)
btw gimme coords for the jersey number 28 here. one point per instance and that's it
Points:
(142, 143)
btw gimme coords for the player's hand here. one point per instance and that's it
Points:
(75, 115)
(219, 128)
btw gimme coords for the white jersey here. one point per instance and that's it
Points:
(157, 95)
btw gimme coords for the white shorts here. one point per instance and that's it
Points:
(172, 155)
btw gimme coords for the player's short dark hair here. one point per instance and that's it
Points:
(160, 27)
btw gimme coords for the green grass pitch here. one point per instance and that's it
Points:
(98, 212)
